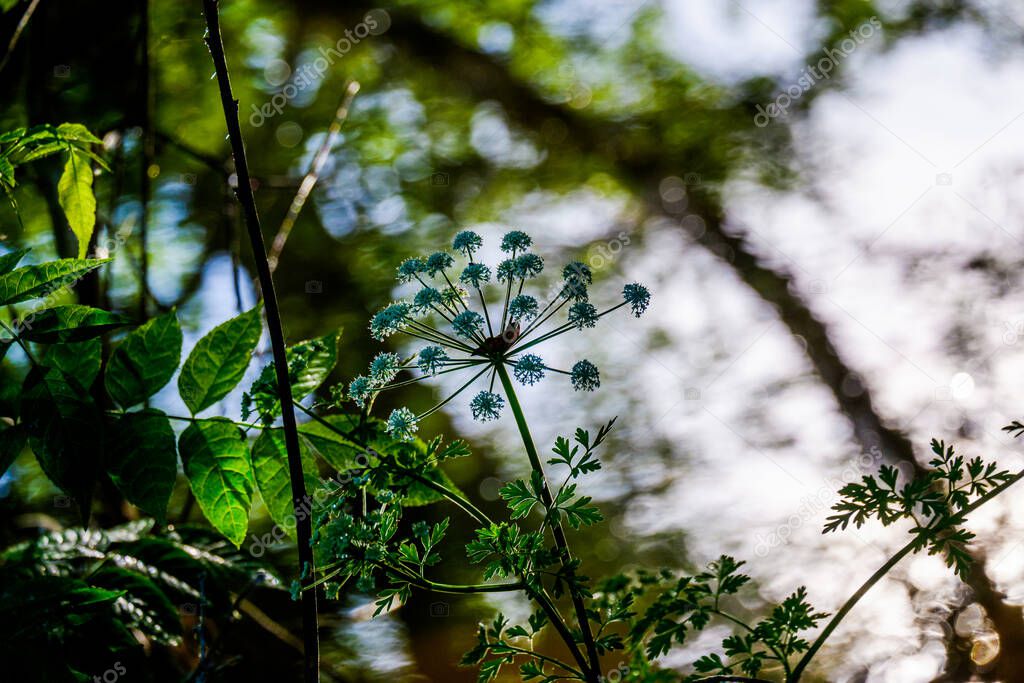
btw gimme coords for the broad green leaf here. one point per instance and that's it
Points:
(421, 494)
(344, 455)
(11, 135)
(35, 143)
(12, 442)
(145, 361)
(7, 5)
(9, 260)
(65, 432)
(309, 364)
(39, 149)
(76, 132)
(321, 357)
(336, 450)
(217, 465)
(69, 323)
(81, 360)
(74, 192)
(270, 465)
(33, 282)
(143, 462)
(218, 361)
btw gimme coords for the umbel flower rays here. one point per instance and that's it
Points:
(450, 314)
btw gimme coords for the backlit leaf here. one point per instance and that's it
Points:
(217, 465)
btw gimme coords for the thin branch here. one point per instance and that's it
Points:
(17, 33)
(317, 165)
(213, 163)
(291, 434)
(880, 573)
(148, 149)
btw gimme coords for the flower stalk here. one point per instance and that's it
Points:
(463, 340)
(556, 526)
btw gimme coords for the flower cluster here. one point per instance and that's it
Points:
(481, 342)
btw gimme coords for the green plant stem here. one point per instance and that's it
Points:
(556, 527)
(312, 175)
(739, 622)
(549, 660)
(455, 588)
(454, 497)
(20, 342)
(19, 29)
(183, 418)
(555, 618)
(303, 527)
(473, 511)
(461, 589)
(877, 576)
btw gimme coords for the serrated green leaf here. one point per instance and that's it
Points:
(81, 360)
(74, 192)
(39, 149)
(71, 323)
(309, 364)
(33, 282)
(489, 670)
(145, 361)
(270, 467)
(143, 461)
(11, 135)
(420, 494)
(76, 132)
(338, 452)
(218, 361)
(217, 465)
(519, 497)
(580, 513)
(11, 259)
(322, 357)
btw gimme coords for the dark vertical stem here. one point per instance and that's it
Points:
(556, 527)
(148, 152)
(291, 434)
